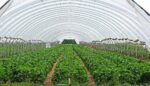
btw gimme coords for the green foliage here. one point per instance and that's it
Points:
(31, 67)
(2, 72)
(108, 68)
(9, 49)
(69, 67)
(21, 84)
(145, 78)
(105, 66)
(135, 50)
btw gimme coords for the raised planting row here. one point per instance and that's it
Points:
(2, 71)
(111, 67)
(31, 67)
(70, 68)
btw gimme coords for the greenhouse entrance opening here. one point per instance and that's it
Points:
(69, 41)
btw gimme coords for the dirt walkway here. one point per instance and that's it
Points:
(91, 81)
(48, 80)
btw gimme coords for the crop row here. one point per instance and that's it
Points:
(70, 67)
(31, 67)
(106, 66)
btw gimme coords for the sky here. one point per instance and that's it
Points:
(143, 3)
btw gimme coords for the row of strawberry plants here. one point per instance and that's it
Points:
(106, 66)
(100, 68)
(137, 67)
(31, 67)
(2, 72)
(69, 67)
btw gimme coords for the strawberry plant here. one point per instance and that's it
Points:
(69, 68)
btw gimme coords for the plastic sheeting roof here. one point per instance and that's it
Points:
(83, 20)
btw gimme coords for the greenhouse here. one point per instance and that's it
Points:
(74, 43)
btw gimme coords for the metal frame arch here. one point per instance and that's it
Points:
(36, 27)
(87, 32)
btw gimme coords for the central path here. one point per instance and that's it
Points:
(91, 81)
(48, 80)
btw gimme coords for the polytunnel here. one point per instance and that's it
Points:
(120, 26)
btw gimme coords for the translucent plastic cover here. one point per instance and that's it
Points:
(83, 20)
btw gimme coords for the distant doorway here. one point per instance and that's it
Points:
(69, 41)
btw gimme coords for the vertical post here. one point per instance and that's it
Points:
(69, 82)
(6, 47)
(10, 46)
(0, 47)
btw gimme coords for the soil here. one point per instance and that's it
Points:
(48, 80)
(91, 81)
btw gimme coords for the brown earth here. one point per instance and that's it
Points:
(91, 81)
(48, 80)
